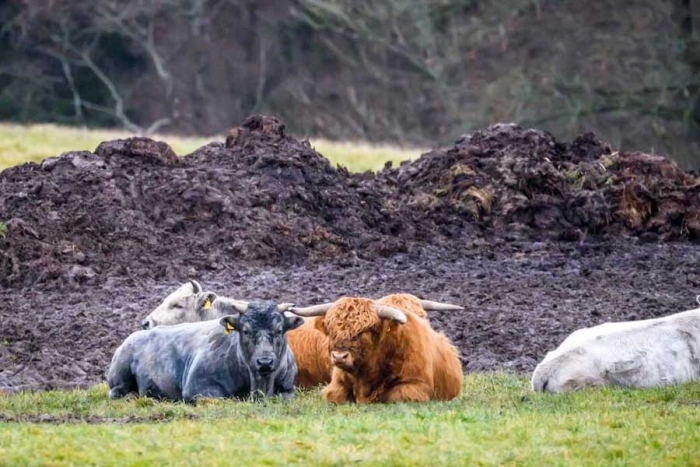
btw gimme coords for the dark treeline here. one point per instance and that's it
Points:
(403, 71)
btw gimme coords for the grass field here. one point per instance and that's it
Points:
(497, 421)
(33, 143)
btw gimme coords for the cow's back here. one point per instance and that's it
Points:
(161, 357)
(664, 351)
(633, 354)
(447, 366)
(440, 359)
(405, 302)
(310, 349)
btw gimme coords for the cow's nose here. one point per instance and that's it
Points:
(265, 362)
(339, 356)
(145, 323)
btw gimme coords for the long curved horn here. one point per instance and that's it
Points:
(310, 311)
(389, 312)
(439, 306)
(698, 299)
(196, 288)
(284, 306)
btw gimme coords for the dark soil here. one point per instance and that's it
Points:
(534, 237)
(523, 183)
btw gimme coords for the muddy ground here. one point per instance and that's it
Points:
(534, 237)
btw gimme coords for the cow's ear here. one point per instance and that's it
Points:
(205, 301)
(292, 322)
(230, 323)
(321, 325)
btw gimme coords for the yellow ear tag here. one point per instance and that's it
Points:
(228, 328)
(207, 304)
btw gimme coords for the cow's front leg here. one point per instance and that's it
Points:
(285, 390)
(284, 384)
(410, 392)
(339, 390)
(192, 394)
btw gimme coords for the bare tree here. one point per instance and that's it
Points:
(398, 70)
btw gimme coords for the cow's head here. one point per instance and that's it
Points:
(357, 328)
(262, 328)
(189, 303)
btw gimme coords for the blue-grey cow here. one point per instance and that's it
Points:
(193, 360)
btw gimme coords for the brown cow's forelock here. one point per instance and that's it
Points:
(350, 317)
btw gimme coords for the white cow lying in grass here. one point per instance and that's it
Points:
(639, 354)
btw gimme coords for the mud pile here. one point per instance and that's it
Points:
(523, 183)
(134, 209)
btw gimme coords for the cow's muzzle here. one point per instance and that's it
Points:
(265, 364)
(341, 359)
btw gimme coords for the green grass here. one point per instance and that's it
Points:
(360, 157)
(497, 421)
(34, 143)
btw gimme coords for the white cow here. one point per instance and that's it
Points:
(189, 303)
(639, 354)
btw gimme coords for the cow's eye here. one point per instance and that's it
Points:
(246, 332)
(176, 306)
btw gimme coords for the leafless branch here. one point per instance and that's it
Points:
(114, 92)
(158, 61)
(155, 126)
(77, 100)
(262, 72)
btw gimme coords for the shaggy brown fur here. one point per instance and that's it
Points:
(390, 362)
(310, 349)
(348, 318)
